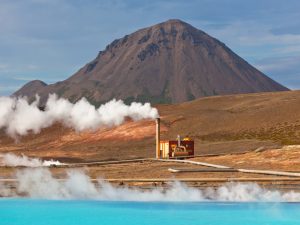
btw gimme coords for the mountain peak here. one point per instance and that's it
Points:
(33, 86)
(175, 22)
(168, 62)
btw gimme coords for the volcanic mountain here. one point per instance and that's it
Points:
(170, 62)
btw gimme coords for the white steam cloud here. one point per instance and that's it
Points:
(18, 117)
(39, 183)
(13, 160)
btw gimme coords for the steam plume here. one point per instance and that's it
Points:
(39, 183)
(13, 160)
(18, 117)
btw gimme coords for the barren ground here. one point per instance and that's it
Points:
(242, 131)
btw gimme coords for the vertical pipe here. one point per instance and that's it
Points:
(158, 138)
(178, 140)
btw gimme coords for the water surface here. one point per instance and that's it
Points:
(49, 212)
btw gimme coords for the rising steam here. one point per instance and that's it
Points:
(13, 160)
(39, 183)
(18, 117)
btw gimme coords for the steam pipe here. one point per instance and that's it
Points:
(157, 138)
(178, 140)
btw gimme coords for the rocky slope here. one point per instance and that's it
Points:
(170, 62)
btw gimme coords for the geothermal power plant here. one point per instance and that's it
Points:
(175, 160)
(166, 149)
(239, 137)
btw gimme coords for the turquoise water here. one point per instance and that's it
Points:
(44, 212)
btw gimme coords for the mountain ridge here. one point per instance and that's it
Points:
(170, 62)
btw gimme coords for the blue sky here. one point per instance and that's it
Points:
(51, 39)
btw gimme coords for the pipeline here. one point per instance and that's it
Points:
(266, 172)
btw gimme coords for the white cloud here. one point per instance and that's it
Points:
(3, 67)
(285, 70)
(59, 33)
(32, 67)
(288, 49)
(20, 68)
(278, 64)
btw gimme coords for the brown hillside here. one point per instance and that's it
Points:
(222, 124)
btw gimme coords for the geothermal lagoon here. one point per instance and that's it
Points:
(74, 212)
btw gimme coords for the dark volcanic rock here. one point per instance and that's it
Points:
(150, 50)
(166, 63)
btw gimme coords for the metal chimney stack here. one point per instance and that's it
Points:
(178, 140)
(158, 138)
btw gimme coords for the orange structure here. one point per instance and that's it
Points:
(177, 148)
(173, 148)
